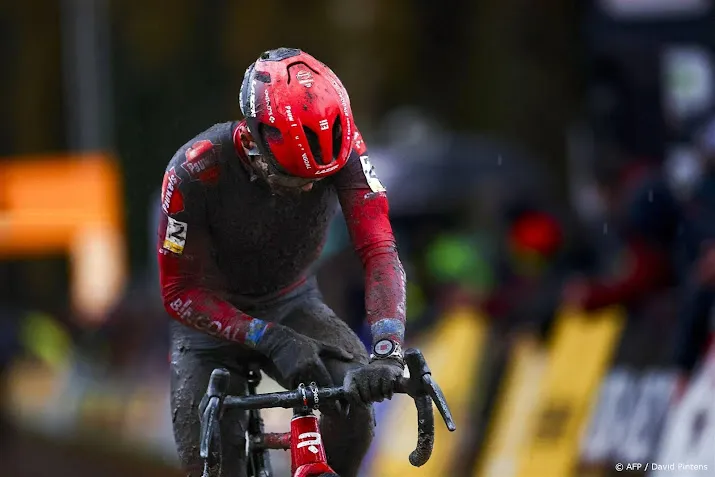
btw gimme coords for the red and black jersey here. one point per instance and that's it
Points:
(223, 235)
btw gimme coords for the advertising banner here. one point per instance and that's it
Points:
(628, 420)
(634, 398)
(687, 447)
(580, 354)
(514, 415)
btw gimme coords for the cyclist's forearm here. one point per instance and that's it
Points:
(206, 312)
(384, 292)
(367, 217)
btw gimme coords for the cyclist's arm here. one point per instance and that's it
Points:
(365, 207)
(189, 280)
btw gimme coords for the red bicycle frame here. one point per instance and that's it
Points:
(307, 456)
(305, 443)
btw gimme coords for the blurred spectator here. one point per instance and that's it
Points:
(528, 269)
(665, 231)
(640, 205)
(697, 257)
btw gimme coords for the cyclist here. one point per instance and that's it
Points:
(246, 206)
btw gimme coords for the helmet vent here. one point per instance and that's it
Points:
(279, 54)
(263, 77)
(314, 145)
(269, 134)
(337, 137)
(294, 64)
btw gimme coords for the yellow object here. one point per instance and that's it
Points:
(45, 338)
(70, 205)
(579, 356)
(515, 409)
(453, 353)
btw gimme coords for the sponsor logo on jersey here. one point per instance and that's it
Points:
(202, 160)
(172, 201)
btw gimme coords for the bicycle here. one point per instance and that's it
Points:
(304, 440)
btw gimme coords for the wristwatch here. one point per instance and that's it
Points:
(386, 348)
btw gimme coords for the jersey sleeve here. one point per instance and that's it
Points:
(191, 284)
(365, 206)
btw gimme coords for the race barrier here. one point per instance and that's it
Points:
(579, 357)
(628, 420)
(634, 397)
(547, 396)
(516, 407)
(687, 446)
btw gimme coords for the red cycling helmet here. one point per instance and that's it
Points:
(298, 112)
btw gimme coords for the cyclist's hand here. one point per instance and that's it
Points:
(299, 358)
(373, 382)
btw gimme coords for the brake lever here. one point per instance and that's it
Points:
(416, 362)
(440, 401)
(215, 392)
(207, 426)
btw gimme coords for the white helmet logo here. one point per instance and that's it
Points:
(305, 78)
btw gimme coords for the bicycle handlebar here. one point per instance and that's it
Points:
(420, 386)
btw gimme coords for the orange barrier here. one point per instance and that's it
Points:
(67, 205)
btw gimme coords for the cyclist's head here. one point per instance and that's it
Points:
(298, 114)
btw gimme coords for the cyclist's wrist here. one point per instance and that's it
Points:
(388, 362)
(260, 335)
(387, 350)
(388, 328)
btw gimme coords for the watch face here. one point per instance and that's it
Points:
(384, 347)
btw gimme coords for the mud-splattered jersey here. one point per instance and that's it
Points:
(223, 235)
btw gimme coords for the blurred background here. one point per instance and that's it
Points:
(550, 167)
